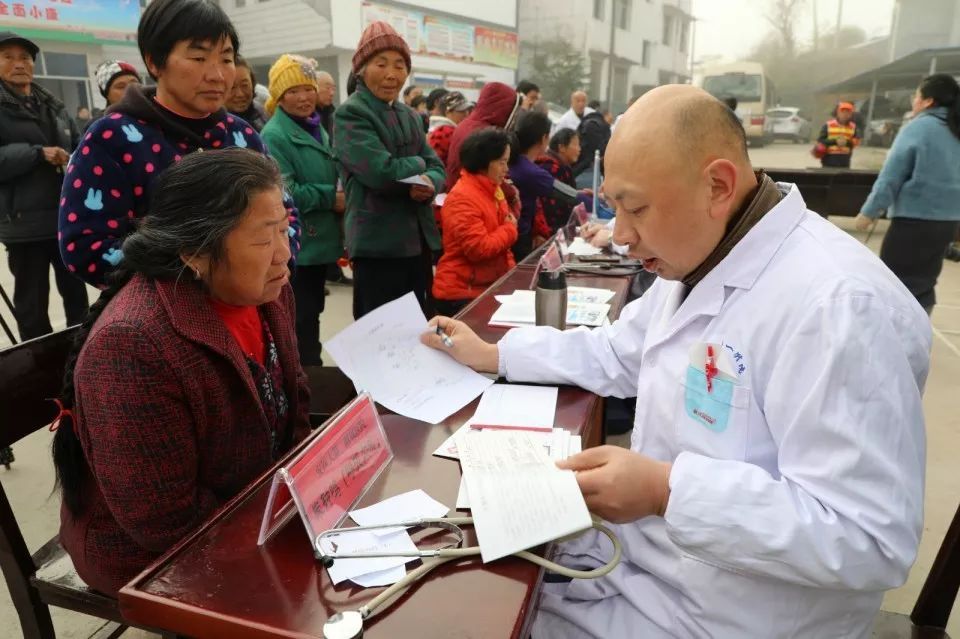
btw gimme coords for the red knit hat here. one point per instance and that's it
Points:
(377, 37)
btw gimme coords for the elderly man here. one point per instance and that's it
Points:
(390, 175)
(326, 90)
(774, 486)
(578, 109)
(36, 137)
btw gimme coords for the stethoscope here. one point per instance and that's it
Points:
(349, 624)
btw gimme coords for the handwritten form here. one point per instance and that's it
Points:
(508, 405)
(519, 498)
(381, 353)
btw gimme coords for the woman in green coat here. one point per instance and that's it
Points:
(300, 145)
(390, 227)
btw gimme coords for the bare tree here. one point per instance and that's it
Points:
(783, 18)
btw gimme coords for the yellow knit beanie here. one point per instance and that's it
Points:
(290, 70)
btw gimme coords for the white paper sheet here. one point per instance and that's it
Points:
(381, 353)
(463, 499)
(417, 179)
(517, 405)
(364, 541)
(386, 577)
(507, 405)
(580, 246)
(518, 497)
(415, 504)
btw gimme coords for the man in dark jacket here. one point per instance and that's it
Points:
(36, 137)
(594, 134)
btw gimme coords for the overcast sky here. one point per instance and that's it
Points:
(732, 27)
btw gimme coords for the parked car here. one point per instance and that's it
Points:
(887, 117)
(789, 123)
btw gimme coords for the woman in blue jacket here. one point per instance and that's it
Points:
(919, 187)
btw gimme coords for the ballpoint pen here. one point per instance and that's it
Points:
(446, 339)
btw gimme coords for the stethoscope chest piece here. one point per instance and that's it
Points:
(344, 625)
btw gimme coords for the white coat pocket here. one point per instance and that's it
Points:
(714, 421)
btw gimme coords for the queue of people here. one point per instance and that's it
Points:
(213, 315)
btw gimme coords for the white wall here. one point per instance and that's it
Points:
(268, 29)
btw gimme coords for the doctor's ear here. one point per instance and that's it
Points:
(723, 179)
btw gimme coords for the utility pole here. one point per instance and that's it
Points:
(816, 28)
(836, 33)
(613, 35)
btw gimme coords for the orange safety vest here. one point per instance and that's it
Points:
(836, 130)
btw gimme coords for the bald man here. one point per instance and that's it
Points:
(326, 89)
(774, 483)
(578, 109)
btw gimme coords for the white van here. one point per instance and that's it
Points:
(753, 90)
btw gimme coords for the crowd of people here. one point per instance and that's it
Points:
(211, 225)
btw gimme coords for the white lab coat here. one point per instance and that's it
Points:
(794, 520)
(569, 120)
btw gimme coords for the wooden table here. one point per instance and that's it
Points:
(218, 583)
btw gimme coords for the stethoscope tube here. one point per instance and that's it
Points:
(346, 622)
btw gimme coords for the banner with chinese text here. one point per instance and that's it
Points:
(447, 37)
(76, 20)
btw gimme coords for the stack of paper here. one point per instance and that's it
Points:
(381, 353)
(519, 498)
(381, 571)
(508, 405)
(519, 309)
(575, 295)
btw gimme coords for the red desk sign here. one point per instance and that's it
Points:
(328, 477)
(549, 261)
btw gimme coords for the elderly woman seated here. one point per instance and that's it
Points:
(480, 225)
(184, 383)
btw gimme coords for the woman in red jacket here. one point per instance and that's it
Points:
(479, 226)
(185, 383)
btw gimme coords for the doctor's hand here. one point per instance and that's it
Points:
(468, 348)
(619, 484)
(862, 222)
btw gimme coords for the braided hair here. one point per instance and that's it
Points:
(945, 92)
(195, 205)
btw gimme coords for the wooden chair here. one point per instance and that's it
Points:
(30, 374)
(330, 390)
(928, 620)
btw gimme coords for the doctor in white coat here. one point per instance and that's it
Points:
(571, 119)
(774, 486)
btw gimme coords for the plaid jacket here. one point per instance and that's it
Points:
(170, 422)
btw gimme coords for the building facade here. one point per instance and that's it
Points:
(75, 36)
(459, 44)
(924, 24)
(629, 46)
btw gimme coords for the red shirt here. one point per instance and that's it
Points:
(245, 326)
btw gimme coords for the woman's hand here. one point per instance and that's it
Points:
(510, 219)
(339, 203)
(538, 241)
(422, 192)
(467, 348)
(862, 222)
